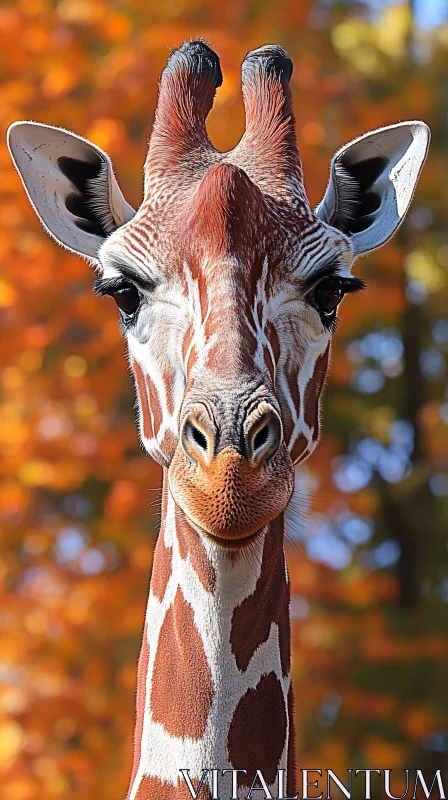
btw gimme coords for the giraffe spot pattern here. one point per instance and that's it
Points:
(291, 763)
(181, 697)
(313, 391)
(189, 356)
(152, 788)
(252, 619)
(269, 362)
(153, 399)
(149, 402)
(162, 568)
(190, 544)
(168, 444)
(272, 335)
(162, 564)
(142, 671)
(257, 733)
(299, 448)
(169, 381)
(142, 395)
(291, 375)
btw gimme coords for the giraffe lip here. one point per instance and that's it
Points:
(234, 543)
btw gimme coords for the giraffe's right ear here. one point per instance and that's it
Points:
(70, 184)
(372, 182)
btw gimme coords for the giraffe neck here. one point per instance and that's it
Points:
(214, 686)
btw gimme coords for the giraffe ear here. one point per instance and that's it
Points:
(372, 181)
(70, 184)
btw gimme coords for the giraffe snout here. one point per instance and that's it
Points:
(231, 477)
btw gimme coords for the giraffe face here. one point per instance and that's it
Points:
(226, 281)
(228, 319)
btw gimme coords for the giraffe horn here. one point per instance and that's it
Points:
(187, 89)
(268, 149)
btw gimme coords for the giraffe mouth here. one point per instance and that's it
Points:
(226, 543)
(237, 543)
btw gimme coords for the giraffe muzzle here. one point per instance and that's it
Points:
(231, 483)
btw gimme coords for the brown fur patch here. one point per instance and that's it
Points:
(190, 544)
(162, 563)
(153, 399)
(291, 763)
(284, 636)
(168, 377)
(203, 296)
(272, 336)
(269, 362)
(257, 732)
(293, 386)
(143, 400)
(225, 213)
(252, 619)
(299, 447)
(192, 355)
(186, 343)
(152, 788)
(168, 444)
(142, 672)
(192, 359)
(182, 689)
(313, 391)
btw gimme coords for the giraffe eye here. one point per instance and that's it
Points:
(327, 295)
(127, 299)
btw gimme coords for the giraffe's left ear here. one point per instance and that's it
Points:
(71, 185)
(372, 181)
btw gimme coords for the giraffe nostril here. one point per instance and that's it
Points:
(261, 438)
(197, 436)
(263, 433)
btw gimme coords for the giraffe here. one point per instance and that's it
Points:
(227, 285)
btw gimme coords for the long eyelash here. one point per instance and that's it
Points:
(126, 278)
(108, 286)
(331, 271)
(351, 285)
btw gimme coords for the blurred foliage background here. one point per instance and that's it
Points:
(78, 499)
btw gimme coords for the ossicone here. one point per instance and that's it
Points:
(180, 148)
(270, 60)
(187, 89)
(196, 57)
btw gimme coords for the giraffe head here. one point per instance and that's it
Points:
(227, 282)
